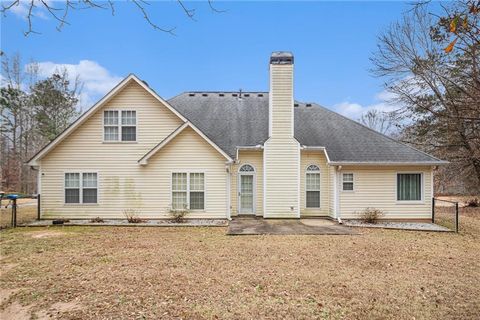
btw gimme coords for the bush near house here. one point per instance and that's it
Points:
(371, 215)
(178, 215)
(132, 216)
(473, 203)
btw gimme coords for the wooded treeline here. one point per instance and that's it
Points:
(32, 112)
(431, 65)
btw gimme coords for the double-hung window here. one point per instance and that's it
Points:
(119, 125)
(312, 187)
(188, 190)
(347, 182)
(409, 186)
(81, 187)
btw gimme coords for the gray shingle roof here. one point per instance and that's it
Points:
(231, 122)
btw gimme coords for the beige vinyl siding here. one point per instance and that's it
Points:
(317, 158)
(281, 100)
(375, 187)
(254, 158)
(122, 182)
(282, 165)
(281, 150)
(186, 152)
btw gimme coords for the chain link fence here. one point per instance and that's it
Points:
(445, 213)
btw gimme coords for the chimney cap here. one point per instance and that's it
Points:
(281, 57)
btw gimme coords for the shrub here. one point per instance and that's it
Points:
(97, 220)
(132, 216)
(371, 215)
(473, 203)
(178, 215)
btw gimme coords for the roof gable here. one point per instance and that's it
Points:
(90, 112)
(170, 137)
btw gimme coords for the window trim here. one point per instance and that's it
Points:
(319, 190)
(353, 182)
(119, 125)
(422, 188)
(80, 203)
(188, 188)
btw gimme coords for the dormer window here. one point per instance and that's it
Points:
(119, 125)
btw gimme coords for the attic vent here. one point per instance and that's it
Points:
(221, 94)
(295, 104)
(308, 105)
(246, 95)
(260, 94)
(191, 94)
(205, 94)
(234, 94)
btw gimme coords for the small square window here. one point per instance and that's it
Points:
(347, 182)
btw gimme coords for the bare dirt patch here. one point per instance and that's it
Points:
(4, 268)
(15, 311)
(199, 273)
(46, 234)
(58, 310)
(5, 294)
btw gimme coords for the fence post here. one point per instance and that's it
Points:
(38, 206)
(14, 213)
(433, 210)
(456, 217)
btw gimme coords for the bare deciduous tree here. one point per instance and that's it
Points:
(60, 10)
(382, 122)
(438, 87)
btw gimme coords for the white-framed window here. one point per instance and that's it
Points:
(312, 186)
(119, 125)
(81, 187)
(247, 168)
(409, 186)
(188, 190)
(347, 182)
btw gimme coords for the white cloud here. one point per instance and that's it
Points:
(21, 8)
(355, 110)
(96, 79)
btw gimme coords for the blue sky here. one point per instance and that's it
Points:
(331, 41)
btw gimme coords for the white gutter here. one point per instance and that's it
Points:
(257, 147)
(389, 163)
(313, 148)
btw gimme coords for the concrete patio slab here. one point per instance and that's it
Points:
(257, 226)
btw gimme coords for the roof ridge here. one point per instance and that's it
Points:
(376, 132)
(216, 91)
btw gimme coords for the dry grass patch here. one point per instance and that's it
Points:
(152, 273)
(26, 212)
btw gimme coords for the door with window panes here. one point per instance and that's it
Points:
(246, 189)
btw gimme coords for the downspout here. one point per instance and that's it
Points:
(228, 166)
(337, 194)
(39, 191)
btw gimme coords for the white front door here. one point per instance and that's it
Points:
(246, 193)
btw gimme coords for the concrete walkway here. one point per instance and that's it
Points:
(252, 226)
